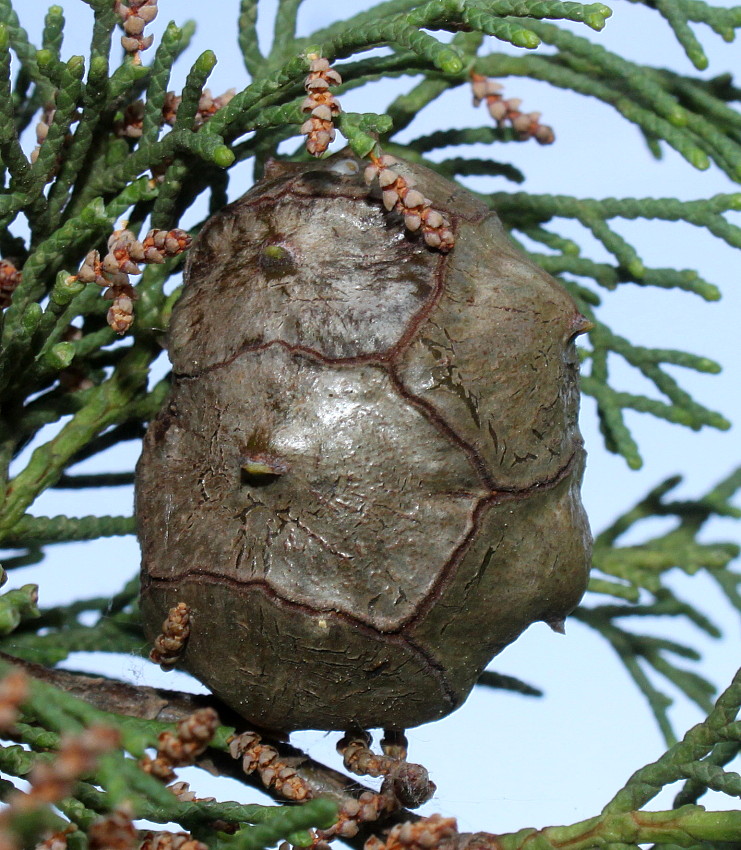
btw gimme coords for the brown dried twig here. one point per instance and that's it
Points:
(507, 111)
(321, 104)
(275, 774)
(399, 194)
(10, 277)
(182, 748)
(125, 253)
(135, 15)
(13, 692)
(169, 645)
(432, 832)
(357, 803)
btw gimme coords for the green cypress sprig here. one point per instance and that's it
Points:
(159, 77)
(27, 558)
(104, 25)
(64, 292)
(565, 247)
(164, 209)
(643, 86)
(56, 320)
(720, 755)
(11, 154)
(682, 409)
(23, 48)
(94, 96)
(231, 119)
(94, 221)
(637, 651)
(404, 108)
(645, 783)
(284, 30)
(193, 88)
(116, 630)
(24, 317)
(594, 15)
(500, 681)
(398, 32)
(105, 405)
(641, 567)
(51, 407)
(667, 209)
(624, 253)
(678, 828)
(59, 529)
(628, 268)
(195, 815)
(463, 167)
(587, 80)
(714, 778)
(646, 88)
(464, 136)
(207, 146)
(723, 20)
(122, 779)
(254, 61)
(320, 813)
(15, 760)
(11, 203)
(677, 20)
(65, 106)
(505, 30)
(53, 33)
(362, 131)
(386, 9)
(126, 80)
(16, 606)
(113, 635)
(700, 96)
(93, 178)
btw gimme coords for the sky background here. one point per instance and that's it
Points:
(503, 761)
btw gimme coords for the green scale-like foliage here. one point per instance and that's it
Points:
(94, 392)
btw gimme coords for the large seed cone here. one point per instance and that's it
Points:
(365, 482)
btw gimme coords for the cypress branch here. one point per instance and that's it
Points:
(59, 359)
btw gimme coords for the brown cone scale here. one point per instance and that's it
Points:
(365, 482)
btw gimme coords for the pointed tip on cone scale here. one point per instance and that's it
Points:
(580, 325)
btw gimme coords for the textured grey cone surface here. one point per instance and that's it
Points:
(365, 482)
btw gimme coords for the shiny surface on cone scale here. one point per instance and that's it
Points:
(365, 481)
